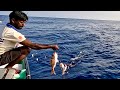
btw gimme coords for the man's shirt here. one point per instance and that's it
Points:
(9, 38)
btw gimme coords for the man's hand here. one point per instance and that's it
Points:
(54, 47)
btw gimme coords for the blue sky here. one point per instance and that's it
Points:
(100, 15)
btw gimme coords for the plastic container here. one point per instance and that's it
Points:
(21, 75)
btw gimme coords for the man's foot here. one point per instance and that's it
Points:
(16, 70)
(7, 70)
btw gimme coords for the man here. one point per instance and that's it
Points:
(10, 37)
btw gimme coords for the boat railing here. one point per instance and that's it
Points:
(27, 68)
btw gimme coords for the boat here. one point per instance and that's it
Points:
(23, 66)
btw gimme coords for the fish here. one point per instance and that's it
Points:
(54, 60)
(63, 67)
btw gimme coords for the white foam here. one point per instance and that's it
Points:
(75, 58)
(32, 55)
(37, 59)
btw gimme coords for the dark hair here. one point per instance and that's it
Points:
(18, 15)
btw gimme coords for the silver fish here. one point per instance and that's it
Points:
(63, 67)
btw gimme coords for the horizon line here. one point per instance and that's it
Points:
(69, 18)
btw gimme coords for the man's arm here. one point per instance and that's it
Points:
(37, 46)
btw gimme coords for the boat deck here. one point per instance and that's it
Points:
(8, 75)
(22, 65)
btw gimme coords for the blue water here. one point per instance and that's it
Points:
(97, 41)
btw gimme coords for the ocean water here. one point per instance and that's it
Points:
(94, 45)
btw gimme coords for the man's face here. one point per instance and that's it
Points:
(19, 24)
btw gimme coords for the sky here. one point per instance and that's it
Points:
(97, 15)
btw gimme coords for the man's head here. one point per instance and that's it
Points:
(18, 19)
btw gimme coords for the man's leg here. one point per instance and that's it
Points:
(24, 52)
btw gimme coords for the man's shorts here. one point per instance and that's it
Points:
(9, 56)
